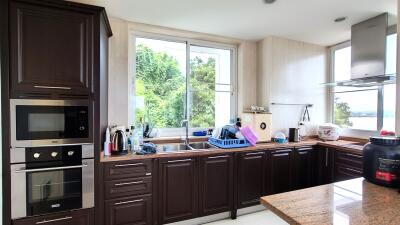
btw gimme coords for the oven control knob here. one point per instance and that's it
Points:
(81, 128)
(70, 153)
(36, 155)
(54, 154)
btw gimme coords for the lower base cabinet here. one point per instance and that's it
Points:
(251, 178)
(280, 171)
(129, 211)
(178, 189)
(76, 217)
(215, 184)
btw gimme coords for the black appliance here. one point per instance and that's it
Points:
(294, 135)
(381, 158)
(51, 179)
(49, 122)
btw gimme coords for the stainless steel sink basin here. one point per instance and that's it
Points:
(201, 145)
(175, 147)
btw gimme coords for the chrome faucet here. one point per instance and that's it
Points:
(186, 122)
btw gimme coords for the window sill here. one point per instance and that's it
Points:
(364, 134)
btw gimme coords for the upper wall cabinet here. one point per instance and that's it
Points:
(53, 49)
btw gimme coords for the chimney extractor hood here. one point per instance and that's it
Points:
(368, 54)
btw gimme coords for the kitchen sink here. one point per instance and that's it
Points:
(180, 148)
(175, 147)
(201, 145)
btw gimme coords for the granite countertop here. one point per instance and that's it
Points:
(349, 146)
(350, 202)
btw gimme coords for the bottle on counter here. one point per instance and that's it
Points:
(140, 131)
(107, 143)
(135, 139)
(129, 140)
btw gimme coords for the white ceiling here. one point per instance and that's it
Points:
(308, 20)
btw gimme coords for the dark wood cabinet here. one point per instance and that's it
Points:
(215, 184)
(280, 171)
(128, 187)
(51, 51)
(129, 211)
(251, 178)
(303, 167)
(128, 169)
(178, 189)
(325, 165)
(347, 166)
(76, 217)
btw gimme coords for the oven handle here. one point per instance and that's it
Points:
(54, 220)
(50, 169)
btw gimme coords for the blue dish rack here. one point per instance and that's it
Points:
(229, 143)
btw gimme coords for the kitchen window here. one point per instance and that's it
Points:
(175, 79)
(359, 108)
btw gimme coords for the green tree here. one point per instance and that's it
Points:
(162, 85)
(342, 114)
(202, 83)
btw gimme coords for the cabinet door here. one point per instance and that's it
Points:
(325, 167)
(303, 167)
(76, 217)
(129, 211)
(347, 166)
(280, 171)
(216, 184)
(178, 187)
(50, 51)
(251, 178)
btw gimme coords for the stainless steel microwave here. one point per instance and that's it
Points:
(50, 122)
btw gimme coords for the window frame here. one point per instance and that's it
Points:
(180, 131)
(380, 97)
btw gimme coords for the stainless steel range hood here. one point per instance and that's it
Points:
(368, 54)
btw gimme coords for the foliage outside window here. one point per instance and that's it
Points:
(164, 93)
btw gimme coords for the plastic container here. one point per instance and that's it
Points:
(229, 143)
(381, 161)
(199, 133)
(328, 132)
(249, 134)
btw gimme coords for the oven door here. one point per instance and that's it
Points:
(47, 190)
(49, 122)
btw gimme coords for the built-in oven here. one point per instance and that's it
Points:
(51, 179)
(49, 122)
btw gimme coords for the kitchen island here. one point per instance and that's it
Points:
(350, 202)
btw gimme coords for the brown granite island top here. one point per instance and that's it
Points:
(350, 202)
(344, 145)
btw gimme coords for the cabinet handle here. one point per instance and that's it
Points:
(354, 155)
(51, 87)
(282, 151)
(352, 170)
(180, 160)
(54, 220)
(126, 165)
(148, 174)
(256, 153)
(218, 157)
(326, 157)
(129, 183)
(127, 202)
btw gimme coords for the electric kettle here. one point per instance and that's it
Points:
(119, 143)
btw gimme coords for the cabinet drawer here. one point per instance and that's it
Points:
(344, 172)
(127, 169)
(129, 211)
(128, 187)
(349, 159)
(76, 217)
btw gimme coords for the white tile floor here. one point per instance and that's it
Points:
(265, 217)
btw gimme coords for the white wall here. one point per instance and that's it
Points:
(119, 78)
(292, 72)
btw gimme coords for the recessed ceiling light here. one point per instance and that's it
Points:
(269, 1)
(340, 19)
